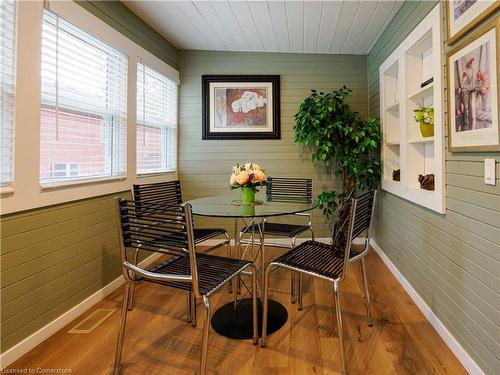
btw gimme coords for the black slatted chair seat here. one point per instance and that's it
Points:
(213, 271)
(284, 230)
(203, 234)
(315, 257)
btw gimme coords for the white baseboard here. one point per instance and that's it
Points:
(465, 359)
(23, 347)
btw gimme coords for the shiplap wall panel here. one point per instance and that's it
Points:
(310, 26)
(263, 24)
(205, 166)
(55, 257)
(68, 257)
(452, 260)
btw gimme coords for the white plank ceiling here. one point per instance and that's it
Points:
(311, 26)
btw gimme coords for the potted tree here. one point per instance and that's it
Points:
(344, 143)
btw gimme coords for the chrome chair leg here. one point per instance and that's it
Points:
(193, 309)
(230, 284)
(299, 291)
(292, 278)
(132, 288)
(367, 293)
(340, 327)
(206, 331)
(255, 320)
(265, 302)
(121, 334)
(189, 308)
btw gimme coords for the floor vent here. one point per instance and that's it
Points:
(92, 321)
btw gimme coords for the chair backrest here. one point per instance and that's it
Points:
(279, 189)
(360, 220)
(168, 192)
(157, 228)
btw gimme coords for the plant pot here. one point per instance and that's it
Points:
(247, 195)
(426, 130)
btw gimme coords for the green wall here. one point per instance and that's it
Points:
(451, 260)
(55, 257)
(205, 166)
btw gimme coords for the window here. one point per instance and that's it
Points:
(7, 88)
(84, 104)
(156, 121)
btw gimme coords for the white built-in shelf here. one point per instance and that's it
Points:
(424, 92)
(422, 140)
(392, 107)
(415, 60)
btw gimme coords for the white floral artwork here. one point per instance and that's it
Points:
(249, 101)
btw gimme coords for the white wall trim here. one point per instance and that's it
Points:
(23, 347)
(464, 358)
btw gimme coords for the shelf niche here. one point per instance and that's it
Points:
(411, 76)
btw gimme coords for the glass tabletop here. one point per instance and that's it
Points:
(229, 205)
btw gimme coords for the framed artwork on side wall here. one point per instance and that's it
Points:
(464, 15)
(473, 92)
(241, 107)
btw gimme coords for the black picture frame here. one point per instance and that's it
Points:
(276, 113)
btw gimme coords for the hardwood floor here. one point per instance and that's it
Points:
(158, 341)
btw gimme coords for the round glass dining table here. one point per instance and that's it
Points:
(234, 319)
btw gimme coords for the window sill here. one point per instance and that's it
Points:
(155, 174)
(69, 184)
(6, 190)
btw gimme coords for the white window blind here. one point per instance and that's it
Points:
(7, 88)
(156, 121)
(84, 104)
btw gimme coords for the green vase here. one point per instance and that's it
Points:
(426, 130)
(248, 210)
(247, 195)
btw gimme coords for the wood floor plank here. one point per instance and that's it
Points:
(158, 341)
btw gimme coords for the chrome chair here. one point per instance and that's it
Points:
(279, 189)
(169, 230)
(170, 193)
(326, 262)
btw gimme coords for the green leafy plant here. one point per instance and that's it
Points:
(344, 143)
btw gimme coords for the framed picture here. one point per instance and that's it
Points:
(473, 92)
(241, 107)
(464, 15)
